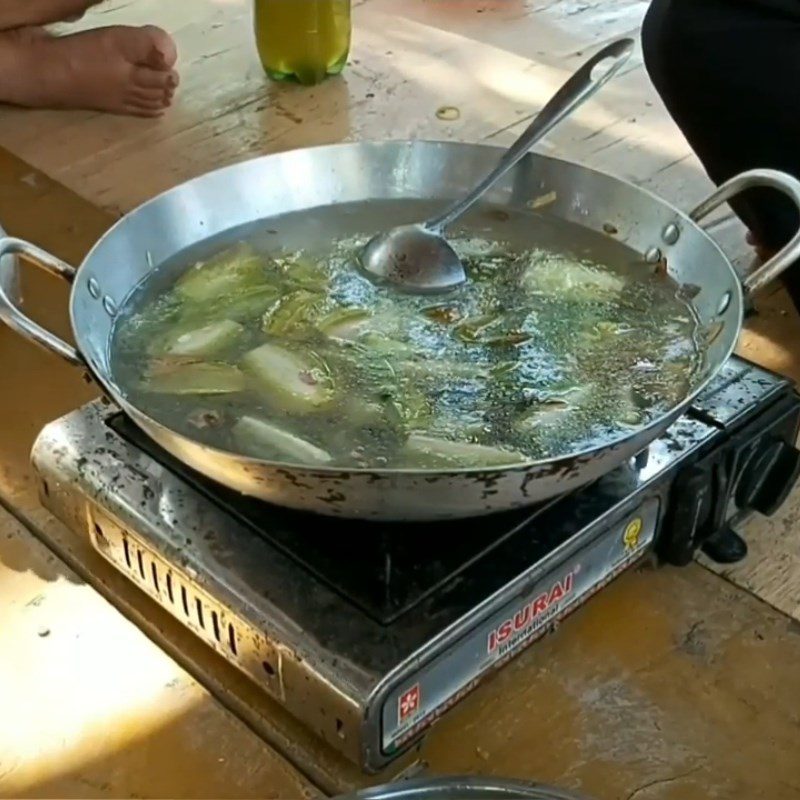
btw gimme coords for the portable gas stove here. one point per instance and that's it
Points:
(367, 632)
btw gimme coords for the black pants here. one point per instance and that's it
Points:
(728, 71)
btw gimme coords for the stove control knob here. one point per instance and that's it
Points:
(768, 477)
(690, 506)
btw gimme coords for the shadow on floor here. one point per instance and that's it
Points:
(199, 751)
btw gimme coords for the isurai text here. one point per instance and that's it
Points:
(527, 617)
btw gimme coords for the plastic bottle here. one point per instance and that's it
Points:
(302, 40)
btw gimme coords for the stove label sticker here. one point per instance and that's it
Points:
(408, 704)
(442, 683)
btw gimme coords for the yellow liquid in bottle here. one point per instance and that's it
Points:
(302, 40)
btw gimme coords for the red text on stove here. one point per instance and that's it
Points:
(531, 614)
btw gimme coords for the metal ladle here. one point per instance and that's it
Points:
(417, 258)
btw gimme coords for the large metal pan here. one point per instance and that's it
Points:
(402, 172)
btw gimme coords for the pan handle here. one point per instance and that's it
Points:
(752, 179)
(12, 314)
(9, 278)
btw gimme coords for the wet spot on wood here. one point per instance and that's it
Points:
(448, 113)
(694, 640)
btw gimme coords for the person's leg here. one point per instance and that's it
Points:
(119, 69)
(22, 13)
(728, 71)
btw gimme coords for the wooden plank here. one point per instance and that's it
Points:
(772, 569)
(497, 61)
(668, 685)
(771, 337)
(92, 708)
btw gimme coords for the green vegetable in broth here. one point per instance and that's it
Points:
(229, 272)
(378, 343)
(375, 414)
(445, 314)
(295, 357)
(411, 405)
(241, 306)
(479, 328)
(179, 376)
(429, 452)
(261, 438)
(289, 381)
(345, 323)
(292, 312)
(563, 278)
(630, 412)
(208, 340)
(303, 273)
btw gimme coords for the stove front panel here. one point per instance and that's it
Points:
(418, 699)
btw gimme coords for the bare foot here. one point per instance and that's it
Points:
(22, 13)
(119, 69)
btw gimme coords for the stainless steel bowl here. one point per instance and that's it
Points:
(463, 788)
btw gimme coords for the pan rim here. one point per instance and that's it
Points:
(552, 465)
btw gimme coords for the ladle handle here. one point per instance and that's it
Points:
(576, 91)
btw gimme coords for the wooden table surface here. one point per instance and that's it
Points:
(496, 61)
(670, 684)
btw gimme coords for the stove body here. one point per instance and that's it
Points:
(367, 632)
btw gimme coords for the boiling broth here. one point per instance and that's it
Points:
(265, 347)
